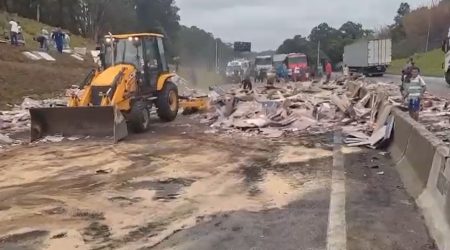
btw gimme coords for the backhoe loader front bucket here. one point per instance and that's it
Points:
(78, 121)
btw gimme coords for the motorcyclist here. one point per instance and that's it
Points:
(406, 71)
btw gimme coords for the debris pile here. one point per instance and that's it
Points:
(435, 115)
(358, 107)
(306, 108)
(17, 120)
(38, 55)
(77, 53)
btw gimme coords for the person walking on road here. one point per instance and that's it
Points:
(14, 32)
(58, 36)
(346, 71)
(413, 91)
(247, 84)
(328, 71)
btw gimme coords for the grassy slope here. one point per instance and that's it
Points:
(430, 63)
(31, 28)
(21, 77)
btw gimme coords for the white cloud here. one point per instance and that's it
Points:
(267, 23)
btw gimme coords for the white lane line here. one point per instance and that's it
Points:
(337, 225)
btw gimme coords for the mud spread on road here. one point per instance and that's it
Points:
(94, 195)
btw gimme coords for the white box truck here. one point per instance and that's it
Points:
(446, 50)
(369, 57)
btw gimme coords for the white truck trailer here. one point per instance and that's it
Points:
(446, 65)
(369, 57)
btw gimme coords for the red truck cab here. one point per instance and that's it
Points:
(298, 67)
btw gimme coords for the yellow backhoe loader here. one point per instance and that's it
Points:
(133, 78)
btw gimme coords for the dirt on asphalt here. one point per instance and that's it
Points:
(174, 187)
(378, 207)
(89, 194)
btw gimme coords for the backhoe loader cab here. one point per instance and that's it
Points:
(143, 51)
(133, 79)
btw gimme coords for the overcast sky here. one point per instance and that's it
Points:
(266, 23)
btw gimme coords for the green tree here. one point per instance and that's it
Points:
(397, 29)
(103, 16)
(158, 16)
(95, 18)
(332, 41)
(351, 30)
(402, 11)
(298, 44)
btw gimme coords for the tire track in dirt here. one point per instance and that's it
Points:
(150, 191)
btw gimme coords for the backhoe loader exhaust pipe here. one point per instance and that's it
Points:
(78, 121)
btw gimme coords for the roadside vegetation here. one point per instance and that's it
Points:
(411, 31)
(429, 63)
(32, 28)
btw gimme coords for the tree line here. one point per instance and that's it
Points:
(332, 41)
(94, 18)
(412, 31)
(419, 30)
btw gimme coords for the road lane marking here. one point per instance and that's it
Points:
(337, 225)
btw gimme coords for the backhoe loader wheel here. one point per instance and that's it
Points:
(167, 102)
(140, 117)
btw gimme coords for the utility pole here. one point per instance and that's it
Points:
(38, 12)
(428, 35)
(217, 56)
(318, 58)
(318, 54)
(429, 26)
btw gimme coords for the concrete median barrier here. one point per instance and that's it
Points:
(435, 200)
(412, 149)
(400, 137)
(423, 163)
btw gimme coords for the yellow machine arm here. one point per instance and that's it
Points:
(114, 86)
(197, 103)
